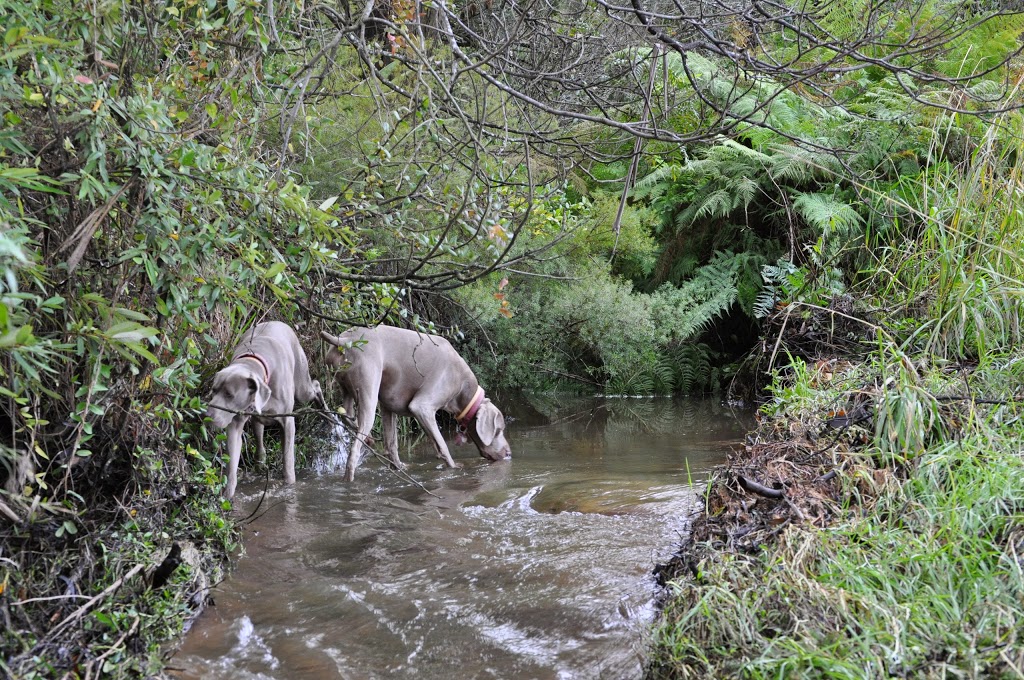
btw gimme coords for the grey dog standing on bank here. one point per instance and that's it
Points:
(268, 373)
(411, 374)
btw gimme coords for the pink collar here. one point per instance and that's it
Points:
(472, 407)
(258, 359)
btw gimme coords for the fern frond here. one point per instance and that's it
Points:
(746, 190)
(753, 154)
(686, 311)
(765, 302)
(667, 172)
(717, 204)
(798, 165)
(700, 66)
(826, 214)
(663, 375)
(844, 19)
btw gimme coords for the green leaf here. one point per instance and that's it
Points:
(104, 618)
(151, 270)
(14, 34)
(142, 351)
(131, 314)
(24, 335)
(130, 331)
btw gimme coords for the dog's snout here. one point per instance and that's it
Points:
(495, 456)
(218, 416)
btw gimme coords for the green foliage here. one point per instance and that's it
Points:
(769, 191)
(696, 368)
(721, 215)
(685, 312)
(983, 47)
(600, 333)
(160, 240)
(140, 230)
(634, 248)
(937, 489)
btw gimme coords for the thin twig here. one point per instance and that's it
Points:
(21, 603)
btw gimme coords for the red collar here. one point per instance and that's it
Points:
(472, 407)
(258, 359)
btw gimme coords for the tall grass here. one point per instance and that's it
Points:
(961, 266)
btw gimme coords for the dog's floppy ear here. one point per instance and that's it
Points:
(487, 422)
(261, 396)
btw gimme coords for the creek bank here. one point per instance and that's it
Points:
(788, 469)
(870, 526)
(78, 593)
(788, 472)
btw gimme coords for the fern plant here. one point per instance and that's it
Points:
(697, 368)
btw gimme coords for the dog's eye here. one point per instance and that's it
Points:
(228, 394)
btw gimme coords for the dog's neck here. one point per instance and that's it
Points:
(468, 411)
(259, 360)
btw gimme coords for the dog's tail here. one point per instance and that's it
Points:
(332, 339)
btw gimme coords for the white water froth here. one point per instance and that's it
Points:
(250, 644)
(522, 503)
(336, 456)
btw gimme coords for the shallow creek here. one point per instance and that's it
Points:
(538, 567)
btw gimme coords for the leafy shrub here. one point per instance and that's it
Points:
(139, 232)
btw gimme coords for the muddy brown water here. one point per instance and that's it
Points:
(537, 567)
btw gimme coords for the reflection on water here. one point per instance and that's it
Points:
(537, 567)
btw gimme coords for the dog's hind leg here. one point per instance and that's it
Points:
(261, 451)
(366, 411)
(389, 427)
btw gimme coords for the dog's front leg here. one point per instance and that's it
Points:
(289, 449)
(425, 414)
(234, 453)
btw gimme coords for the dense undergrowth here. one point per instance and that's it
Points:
(872, 526)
